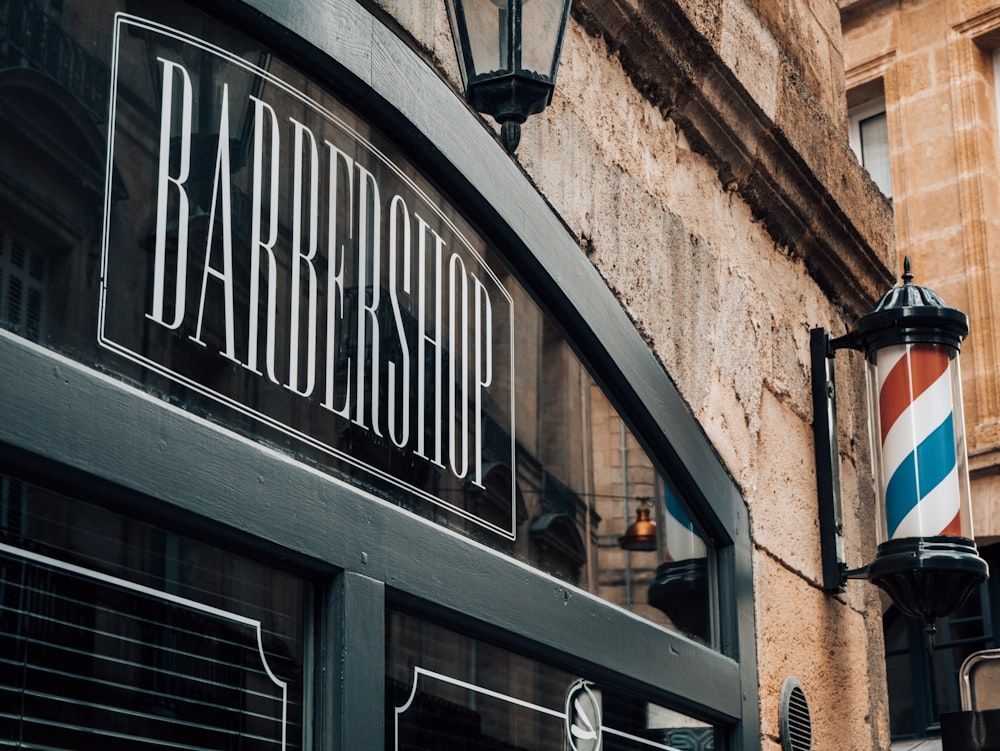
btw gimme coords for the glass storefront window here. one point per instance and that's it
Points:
(200, 219)
(445, 690)
(121, 630)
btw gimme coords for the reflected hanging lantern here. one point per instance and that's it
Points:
(508, 55)
(927, 561)
(641, 534)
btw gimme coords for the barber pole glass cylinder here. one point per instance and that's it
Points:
(927, 560)
(919, 441)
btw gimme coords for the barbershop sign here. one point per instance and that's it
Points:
(286, 265)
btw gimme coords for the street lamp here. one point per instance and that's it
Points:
(927, 561)
(508, 54)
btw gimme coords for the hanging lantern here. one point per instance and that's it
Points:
(508, 55)
(927, 561)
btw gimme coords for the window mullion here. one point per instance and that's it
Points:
(353, 716)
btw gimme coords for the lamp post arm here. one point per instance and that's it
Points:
(856, 573)
(847, 341)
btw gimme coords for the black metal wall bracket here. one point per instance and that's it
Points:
(824, 394)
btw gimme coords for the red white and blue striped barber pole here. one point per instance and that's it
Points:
(927, 560)
(916, 416)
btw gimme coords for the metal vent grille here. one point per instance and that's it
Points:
(795, 721)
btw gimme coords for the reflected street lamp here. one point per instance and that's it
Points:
(508, 54)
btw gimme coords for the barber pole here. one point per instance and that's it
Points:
(927, 559)
(917, 430)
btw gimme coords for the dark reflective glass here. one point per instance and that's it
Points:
(445, 690)
(190, 213)
(119, 630)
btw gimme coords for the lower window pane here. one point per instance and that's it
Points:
(120, 635)
(447, 691)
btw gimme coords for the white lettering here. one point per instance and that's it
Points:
(221, 183)
(163, 183)
(335, 275)
(458, 356)
(483, 353)
(300, 260)
(369, 226)
(423, 339)
(409, 360)
(399, 233)
(257, 243)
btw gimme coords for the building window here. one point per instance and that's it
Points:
(923, 682)
(23, 278)
(390, 363)
(869, 137)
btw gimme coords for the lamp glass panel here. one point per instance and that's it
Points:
(486, 23)
(541, 26)
(918, 442)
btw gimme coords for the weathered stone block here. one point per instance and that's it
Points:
(783, 521)
(827, 646)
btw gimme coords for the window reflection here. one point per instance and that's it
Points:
(542, 467)
(114, 628)
(445, 690)
(682, 578)
(23, 285)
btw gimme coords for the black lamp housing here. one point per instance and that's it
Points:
(927, 561)
(508, 53)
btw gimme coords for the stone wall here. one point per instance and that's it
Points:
(697, 151)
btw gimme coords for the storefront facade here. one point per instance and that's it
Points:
(323, 420)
